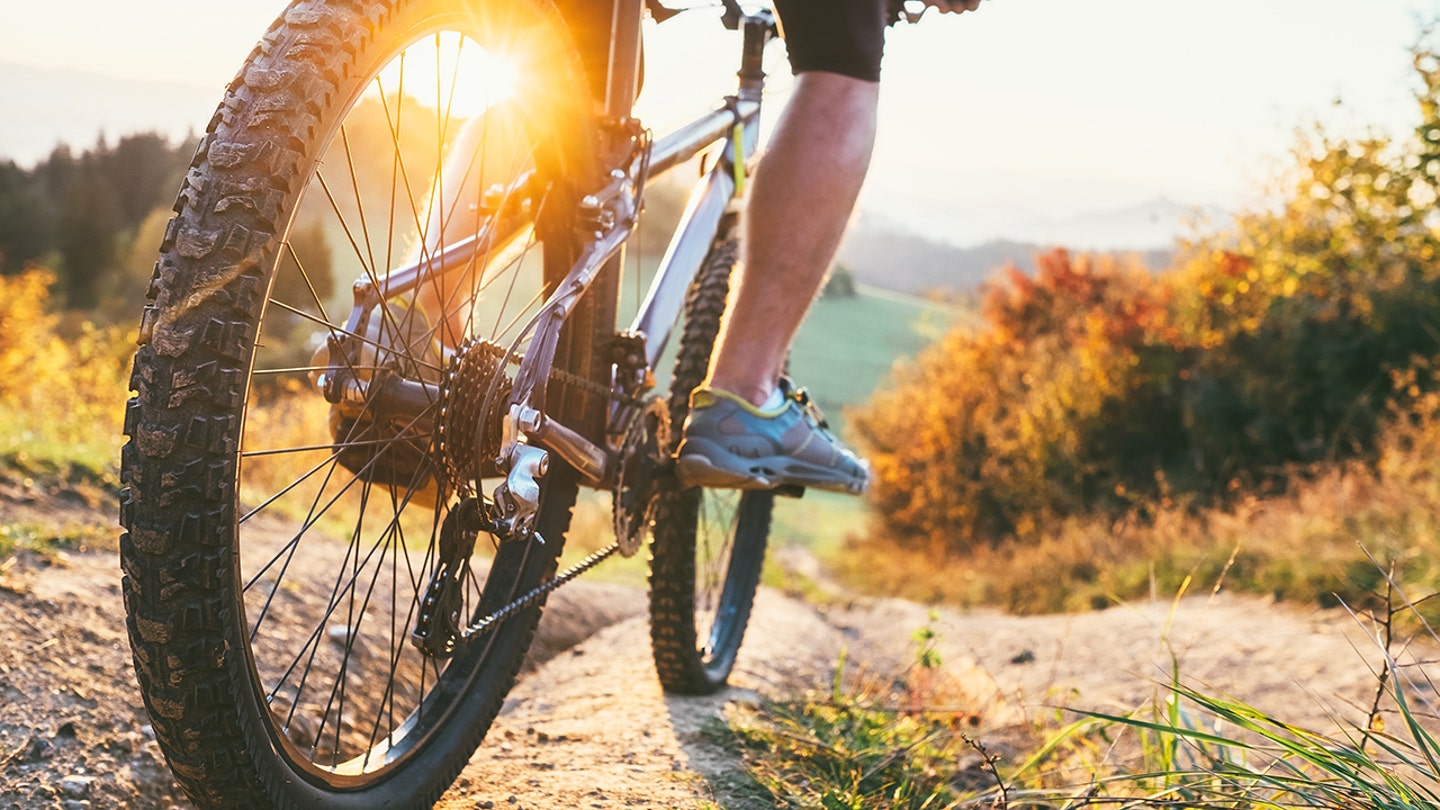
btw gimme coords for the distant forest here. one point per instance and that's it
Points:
(94, 219)
(78, 214)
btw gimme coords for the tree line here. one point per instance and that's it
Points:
(78, 213)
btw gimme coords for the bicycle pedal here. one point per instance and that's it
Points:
(790, 491)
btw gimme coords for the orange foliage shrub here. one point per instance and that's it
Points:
(1097, 389)
(991, 433)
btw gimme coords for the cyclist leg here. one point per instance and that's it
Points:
(802, 197)
(746, 427)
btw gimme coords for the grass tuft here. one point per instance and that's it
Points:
(892, 743)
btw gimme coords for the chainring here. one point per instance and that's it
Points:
(643, 462)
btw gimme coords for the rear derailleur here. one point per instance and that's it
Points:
(511, 517)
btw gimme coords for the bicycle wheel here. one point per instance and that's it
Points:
(708, 545)
(279, 549)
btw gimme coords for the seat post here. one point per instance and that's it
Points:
(758, 28)
(623, 80)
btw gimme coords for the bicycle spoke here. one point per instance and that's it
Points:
(292, 370)
(321, 520)
(307, 316)
(314, 516)
(359, 206)
(318, 671)
(312, 644)
(340, 587)
(314, 447)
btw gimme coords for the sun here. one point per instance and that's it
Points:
(450, 73)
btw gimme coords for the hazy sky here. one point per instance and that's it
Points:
(1023, 111)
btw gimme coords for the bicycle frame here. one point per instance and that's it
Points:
(613, 210)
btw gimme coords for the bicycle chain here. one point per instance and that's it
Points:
(539, 592)
(554, 583)
(571, 378)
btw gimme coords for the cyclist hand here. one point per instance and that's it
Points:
(954, 6)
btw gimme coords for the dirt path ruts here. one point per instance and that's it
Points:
(590, 726)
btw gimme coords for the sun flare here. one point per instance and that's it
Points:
(450, 73)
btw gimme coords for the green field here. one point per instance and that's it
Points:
(845, 351)
(848, 345)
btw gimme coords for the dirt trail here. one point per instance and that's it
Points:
(590, 727)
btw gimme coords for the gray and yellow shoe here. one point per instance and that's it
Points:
(729, 443)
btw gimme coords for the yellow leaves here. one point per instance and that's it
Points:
(1239, 359)
(26, 326)
(63, 392)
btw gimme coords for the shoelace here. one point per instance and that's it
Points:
(802, 398)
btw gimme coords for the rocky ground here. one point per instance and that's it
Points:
(588, 725)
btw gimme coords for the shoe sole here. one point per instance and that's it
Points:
(694, 469)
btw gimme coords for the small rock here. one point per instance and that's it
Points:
(75, 804)
(513, 800)
(67, 731)
(485, 805)
(38, 749)
(1025, 657)
(119, 745)
(76, 786)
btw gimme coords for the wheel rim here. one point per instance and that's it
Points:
(729, 545)
(334, 559)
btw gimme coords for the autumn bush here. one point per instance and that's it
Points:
(62, 384)
(998, 431)
(1269, 354)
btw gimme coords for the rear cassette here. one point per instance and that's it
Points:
(473, 396)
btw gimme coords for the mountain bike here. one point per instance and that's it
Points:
(343, 515)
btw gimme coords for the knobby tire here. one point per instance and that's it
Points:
(202, 659)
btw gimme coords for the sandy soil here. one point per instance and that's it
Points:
(588, 726)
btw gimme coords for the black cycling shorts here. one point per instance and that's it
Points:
(835, 36)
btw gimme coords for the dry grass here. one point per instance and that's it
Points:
(1312, 544)
(912, 739)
